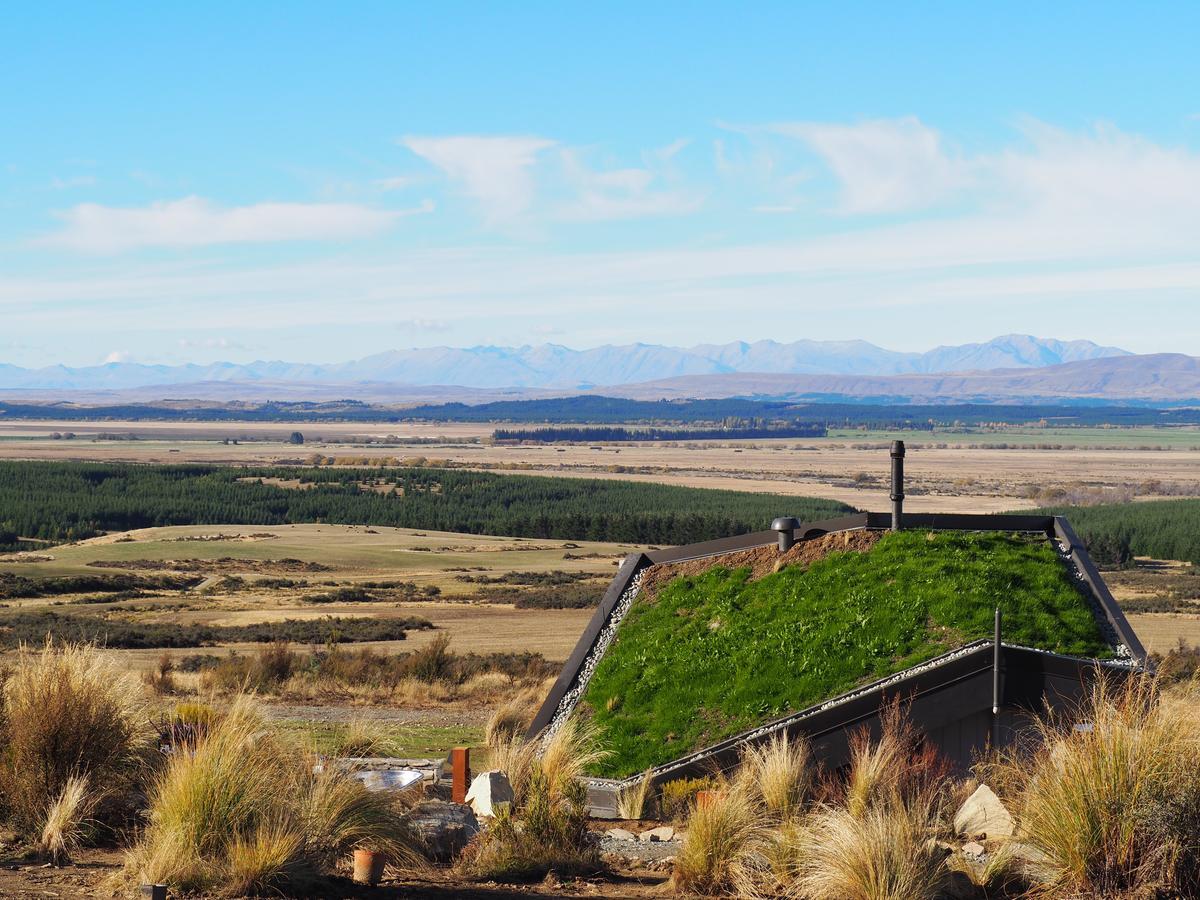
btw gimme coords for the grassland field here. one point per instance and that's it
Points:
(956, 471)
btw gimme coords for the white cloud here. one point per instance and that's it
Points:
(395, 183)
(495, 172)
(598, 195)
(884, 165)
(118, 356)
(194, 221)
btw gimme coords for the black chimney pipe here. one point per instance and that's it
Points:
(897, 485)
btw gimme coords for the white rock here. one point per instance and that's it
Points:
(655, 835)
(983, 813)
(487, 792)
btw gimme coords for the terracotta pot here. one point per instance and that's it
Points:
(368, 866)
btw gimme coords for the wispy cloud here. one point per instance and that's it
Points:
(884, 165)
(494, 172)
(194, 222)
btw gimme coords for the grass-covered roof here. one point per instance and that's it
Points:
(711, 653)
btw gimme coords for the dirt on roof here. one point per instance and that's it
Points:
(762, 561)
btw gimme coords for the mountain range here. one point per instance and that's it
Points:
(556, 368)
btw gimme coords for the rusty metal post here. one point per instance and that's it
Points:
(460, 773)
(897, 485)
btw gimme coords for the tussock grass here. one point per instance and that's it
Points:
(63, 829)
(632, 800)
(1115, 809)
(722, 837)
(884, 852)
(778, 773)
(238, 812)
(547, 828)
(71, 717)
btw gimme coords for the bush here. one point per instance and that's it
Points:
(69, 714)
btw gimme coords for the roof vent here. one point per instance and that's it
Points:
(897, 485)
(786, 527)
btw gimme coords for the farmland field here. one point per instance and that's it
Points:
(962, 470)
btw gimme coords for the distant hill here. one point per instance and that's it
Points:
(1159, 377)
(550, 367)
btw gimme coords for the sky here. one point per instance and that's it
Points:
(320, 182)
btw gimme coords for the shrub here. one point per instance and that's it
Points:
(69, 714)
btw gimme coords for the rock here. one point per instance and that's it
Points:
(973, 850)
(983, 813)
(620, 834)
(488, 791)
(446, 828)
(655, 835)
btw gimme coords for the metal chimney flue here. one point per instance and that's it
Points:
(785, 527)
(897, 485)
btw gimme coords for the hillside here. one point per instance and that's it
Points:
(1161, 377)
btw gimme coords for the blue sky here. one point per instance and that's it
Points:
(191, 182)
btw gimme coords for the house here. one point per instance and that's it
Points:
(974, 622)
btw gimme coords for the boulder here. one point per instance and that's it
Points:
(446, 828)
(488, 791)
(620, 834)
(983, 813)
(655, 835)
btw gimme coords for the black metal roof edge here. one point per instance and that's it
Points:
(1091, 576)
(632, 564)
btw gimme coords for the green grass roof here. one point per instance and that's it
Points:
(713, 655)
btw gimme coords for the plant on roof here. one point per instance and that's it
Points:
(709, 656)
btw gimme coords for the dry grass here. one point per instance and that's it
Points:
(568, 753)
(884, 852)
(778, 773)
(722, 839)
(238, 812)
(63, 829)
(70, 717)
(1115, 809)
(632, 800)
